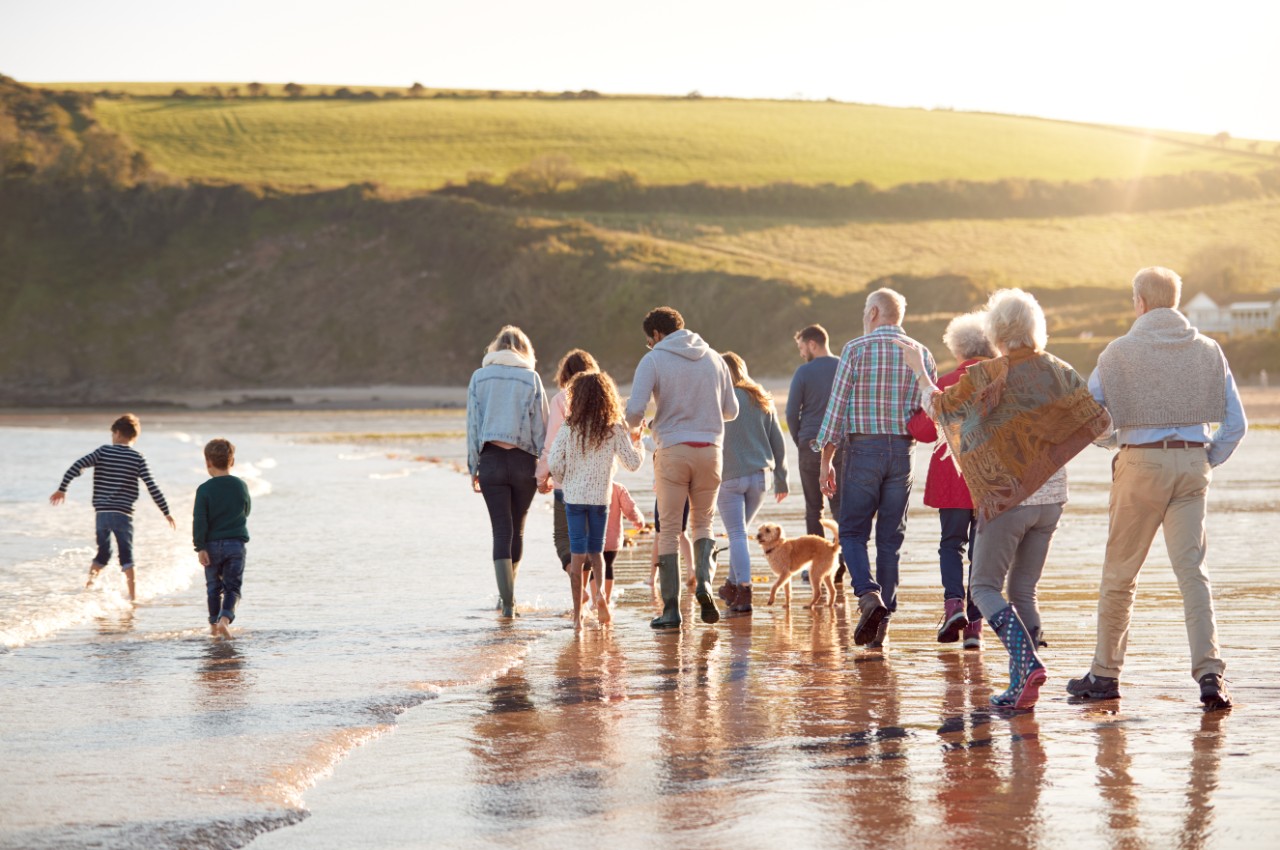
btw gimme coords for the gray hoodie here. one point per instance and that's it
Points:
(691, 387)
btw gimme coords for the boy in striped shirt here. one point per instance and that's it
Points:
(116, 470)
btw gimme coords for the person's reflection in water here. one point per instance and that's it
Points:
(968, 767)
(1017, 814)
(1202, 780)
(508, 746)
(222, 675)
(692, 721)
(120, 623)
(1116, 786)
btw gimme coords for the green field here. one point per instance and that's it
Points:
(1100, 250)
(421, 144)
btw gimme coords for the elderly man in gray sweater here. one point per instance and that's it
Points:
(693, 393)
(1163, 383)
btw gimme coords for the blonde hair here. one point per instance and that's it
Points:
(890, 302)
(966, 337)
(1015, 320)
(743, 381)
(1158, 287)
(511, 338)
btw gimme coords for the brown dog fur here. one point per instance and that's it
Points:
(787, 556)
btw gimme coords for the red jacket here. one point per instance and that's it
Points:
(944, 488)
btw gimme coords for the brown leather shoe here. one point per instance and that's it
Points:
(728, 591)
(742, 600)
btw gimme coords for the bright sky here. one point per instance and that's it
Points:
(1197, 66)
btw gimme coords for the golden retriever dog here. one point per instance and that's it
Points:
(787, 556)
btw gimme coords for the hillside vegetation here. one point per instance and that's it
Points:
(422, 144)
(119, 280)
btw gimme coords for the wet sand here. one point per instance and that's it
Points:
(776, 731)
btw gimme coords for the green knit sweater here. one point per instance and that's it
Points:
(221, 512)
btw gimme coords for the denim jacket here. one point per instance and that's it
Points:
(505, 402)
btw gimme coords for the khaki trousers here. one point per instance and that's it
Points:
(1151, 488)
(685, 472)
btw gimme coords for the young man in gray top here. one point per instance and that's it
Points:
(806, 405)
(693, 392)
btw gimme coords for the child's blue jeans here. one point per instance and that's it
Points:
(586, 527)
(223, 576)
(121, 525)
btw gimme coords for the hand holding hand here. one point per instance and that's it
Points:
(545, 485)
(57, 498)
(828, 479)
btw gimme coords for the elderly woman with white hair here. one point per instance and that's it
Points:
(966, 338)
(1012, 423)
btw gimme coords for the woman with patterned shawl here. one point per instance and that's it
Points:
(1012, 423)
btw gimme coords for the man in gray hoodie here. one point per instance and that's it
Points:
(693, 392)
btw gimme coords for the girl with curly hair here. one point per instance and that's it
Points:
(582, 460)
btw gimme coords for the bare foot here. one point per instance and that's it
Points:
(93, 574)
(213, 629)
(222, 625)
(577, 624)
(602, 611)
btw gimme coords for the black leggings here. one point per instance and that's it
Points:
(508, 486)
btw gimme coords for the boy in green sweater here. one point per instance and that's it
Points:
(219, 532)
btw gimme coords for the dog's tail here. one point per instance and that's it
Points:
(834, 542)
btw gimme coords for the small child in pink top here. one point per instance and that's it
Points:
(621, 505)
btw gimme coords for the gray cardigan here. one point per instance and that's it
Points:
(753, 442)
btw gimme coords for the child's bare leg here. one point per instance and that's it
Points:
(223, 624)
(597, 573)
(575, 589)
(94, 569)
(608, 591)
(128, 578)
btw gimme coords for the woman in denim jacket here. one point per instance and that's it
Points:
(506, 427)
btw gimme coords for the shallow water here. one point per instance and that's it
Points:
(368, 610)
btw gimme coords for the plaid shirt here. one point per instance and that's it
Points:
(875, 391)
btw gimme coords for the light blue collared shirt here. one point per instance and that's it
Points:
(1220, 445)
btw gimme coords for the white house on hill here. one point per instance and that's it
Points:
(1238, 317)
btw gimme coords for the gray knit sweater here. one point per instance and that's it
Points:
(753, 442)
(1163, 372)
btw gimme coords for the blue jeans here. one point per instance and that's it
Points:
(223, 577)
(106, 524)
(878, 472)
(738, 501)
(959, 528)
(586, 527)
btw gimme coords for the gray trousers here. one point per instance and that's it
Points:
(1014, 547)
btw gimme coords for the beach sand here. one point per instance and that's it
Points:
(767, 731)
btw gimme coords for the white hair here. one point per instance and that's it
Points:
(1158, 287)
(1015, 320)
(891, 303)
(966, 337)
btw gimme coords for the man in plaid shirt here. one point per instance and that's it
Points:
(873, 396)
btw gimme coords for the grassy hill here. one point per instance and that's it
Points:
(423, 143)
(149, 283)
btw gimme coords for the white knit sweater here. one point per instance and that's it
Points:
(586, 477)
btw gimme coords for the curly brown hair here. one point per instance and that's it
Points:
(594, 407)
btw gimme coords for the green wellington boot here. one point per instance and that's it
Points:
(505, 573)
(669, 579)
(702, 567)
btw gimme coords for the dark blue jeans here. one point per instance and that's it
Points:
(223, 577)
(959, 528)
(106, 524)
(878, 472)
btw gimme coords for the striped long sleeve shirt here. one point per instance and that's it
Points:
(875, 391)
(116, 470)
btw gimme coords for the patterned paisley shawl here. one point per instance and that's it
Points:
(1012, 422)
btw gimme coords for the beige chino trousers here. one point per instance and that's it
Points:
(685, 472)
(1151, 488)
